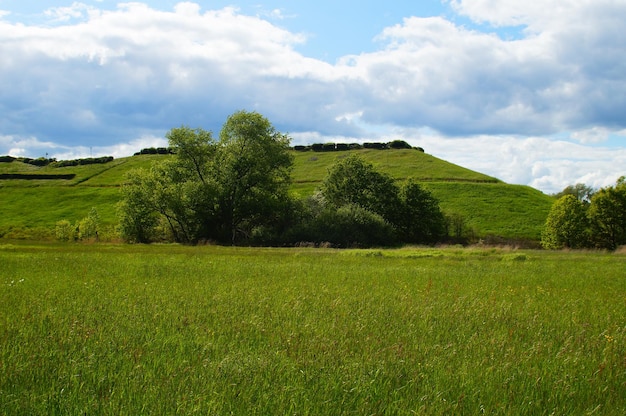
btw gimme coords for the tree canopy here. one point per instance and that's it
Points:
(584, 218)
(210, 190)
(235, 190)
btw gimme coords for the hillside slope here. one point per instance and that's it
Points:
(31, 207)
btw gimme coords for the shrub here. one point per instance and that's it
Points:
(399, 144)
(353, 226)
(64, 231)
(88, 226)
(379, 146)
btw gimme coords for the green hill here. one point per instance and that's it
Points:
(31, 205)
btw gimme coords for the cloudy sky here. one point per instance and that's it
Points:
(532, 92)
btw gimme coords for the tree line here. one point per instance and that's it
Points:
(584, 218)
(235, 190)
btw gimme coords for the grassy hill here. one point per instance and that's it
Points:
(31, 207)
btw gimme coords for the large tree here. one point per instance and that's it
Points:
(411, 210)
(355, 181)
(252, 170)
(214, 190)
(607, 214)
(420, 219)
(566, 225)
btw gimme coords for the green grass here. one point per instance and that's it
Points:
(500, 209)
(312, 167)
(490, 206)
(107, 329)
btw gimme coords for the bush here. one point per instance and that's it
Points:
(81, 162)
(399, 144)
(6, 159)
(64, 231)
(353, 226)
(379, 146)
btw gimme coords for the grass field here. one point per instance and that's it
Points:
(30, 208)
(117, 329)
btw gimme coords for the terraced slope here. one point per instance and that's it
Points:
(31, 207)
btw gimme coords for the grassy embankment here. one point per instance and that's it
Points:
(489, 206)
(107, 329)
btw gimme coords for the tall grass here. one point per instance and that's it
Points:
(107, 329)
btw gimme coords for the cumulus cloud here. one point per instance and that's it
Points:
(544, 163)
(93, 78)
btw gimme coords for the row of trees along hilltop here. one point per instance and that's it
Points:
(582, 218)
(235, 190)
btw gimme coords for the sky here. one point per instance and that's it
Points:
(533, 93)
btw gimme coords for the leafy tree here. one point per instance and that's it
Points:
(420, 219)
(137, 212)
(90, 225)
(354, 181)
(64, 231)
(412, 211)
(352, 225)
(214, 190)
(566, 225)
(581, 191)
(252, 171)
(607, 214)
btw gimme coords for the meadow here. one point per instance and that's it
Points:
(167, 329)
(29, 209)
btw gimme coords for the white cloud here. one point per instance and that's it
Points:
(34, 148)
(592, 135)
(63, 14)
(544, 163)
(110, 76)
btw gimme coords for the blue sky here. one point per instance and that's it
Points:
(530, 92)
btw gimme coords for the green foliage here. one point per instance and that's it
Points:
(399, 144)
(252, 171)
(490, 207)
(420, 219)
(607, 214)
(581, 218)
(89, 226)
(581, 191)
(64, 231)
(352, 225)
(411, 210)
(566, 225)
(211, 190)
(354, 181)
